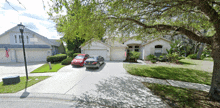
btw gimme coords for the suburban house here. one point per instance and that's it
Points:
(119, 51)
(11, 49)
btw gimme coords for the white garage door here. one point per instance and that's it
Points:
(3, 58)
(101, 52)
(118, 54)
(31, 56)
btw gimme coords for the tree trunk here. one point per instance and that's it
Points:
(200, 51)
(215, 84)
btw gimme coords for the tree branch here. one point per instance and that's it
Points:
(161, 27)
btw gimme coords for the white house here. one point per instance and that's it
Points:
(118, 51)
(35, 51)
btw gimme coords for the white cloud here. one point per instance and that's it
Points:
(33, 17)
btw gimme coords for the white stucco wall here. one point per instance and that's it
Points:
(5, 39)
(150, 48)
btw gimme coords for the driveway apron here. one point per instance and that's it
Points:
(110, 85)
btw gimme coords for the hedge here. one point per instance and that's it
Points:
(70, 53)
(67, 61)
(56, 58)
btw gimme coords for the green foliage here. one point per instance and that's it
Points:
(134, 55)
(192, 56)
(151, 57)
(60, 55)
(70, 53)
(67, 61)
(153, 61)
(57, 58)
(162, 58)
(173, 57)
(75, 54)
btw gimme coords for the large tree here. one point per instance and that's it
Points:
(149, 18)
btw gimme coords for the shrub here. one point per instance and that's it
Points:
(153, 61)
(192, 56)
(179, 58)
(134, 55)
(162, 58)
(67, 61)
(151, 57)
(172, 57)
(75, 54)
(57, 58)
(60, 55)
(70, 53)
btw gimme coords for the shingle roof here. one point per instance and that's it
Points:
(38, 35)
(26, 46)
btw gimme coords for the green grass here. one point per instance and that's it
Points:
(21, 85)
(181, 97)
(60, 55)
(46, 68)
(173, 73)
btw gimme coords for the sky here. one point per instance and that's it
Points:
(34, 17)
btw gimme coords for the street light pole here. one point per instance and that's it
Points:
(21, 27)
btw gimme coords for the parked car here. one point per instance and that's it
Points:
(79, 59)
(94, 62)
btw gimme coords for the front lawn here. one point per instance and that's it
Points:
(181, 97)
(46, 68)
(173, 73)
(13, 88)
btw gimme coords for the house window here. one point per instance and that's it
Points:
(19, 38)
(27, 40)
(15, 39)
(129, 46)
(158, 50)
(137, 50)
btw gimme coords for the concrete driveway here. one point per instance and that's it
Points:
(110, 85)
(13, 69)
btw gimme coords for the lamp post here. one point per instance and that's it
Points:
(21, 28)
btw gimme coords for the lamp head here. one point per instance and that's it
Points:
(21, 27)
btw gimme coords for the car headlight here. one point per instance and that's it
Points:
(81, 61)
(72, 61)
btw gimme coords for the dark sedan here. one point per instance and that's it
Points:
(94, 62)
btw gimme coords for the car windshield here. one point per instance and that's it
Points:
(79, 57)
(91, 57)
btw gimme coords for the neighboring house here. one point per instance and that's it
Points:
(118, 51)
(35, 51)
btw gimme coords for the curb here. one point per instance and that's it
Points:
(26, 95)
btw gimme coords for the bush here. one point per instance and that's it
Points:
(60, 55)
(67, 61)
(179, 58)
(151, 57)
(162, 58)
(153, 61)
(173, 57)
(192, 56)
(57, 58)
(75, 54)
(70, 53)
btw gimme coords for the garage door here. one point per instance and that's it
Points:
(101, 52)
(118, 54)
(31, 56)
(4, 59)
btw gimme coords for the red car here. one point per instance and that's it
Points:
(79, 59)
